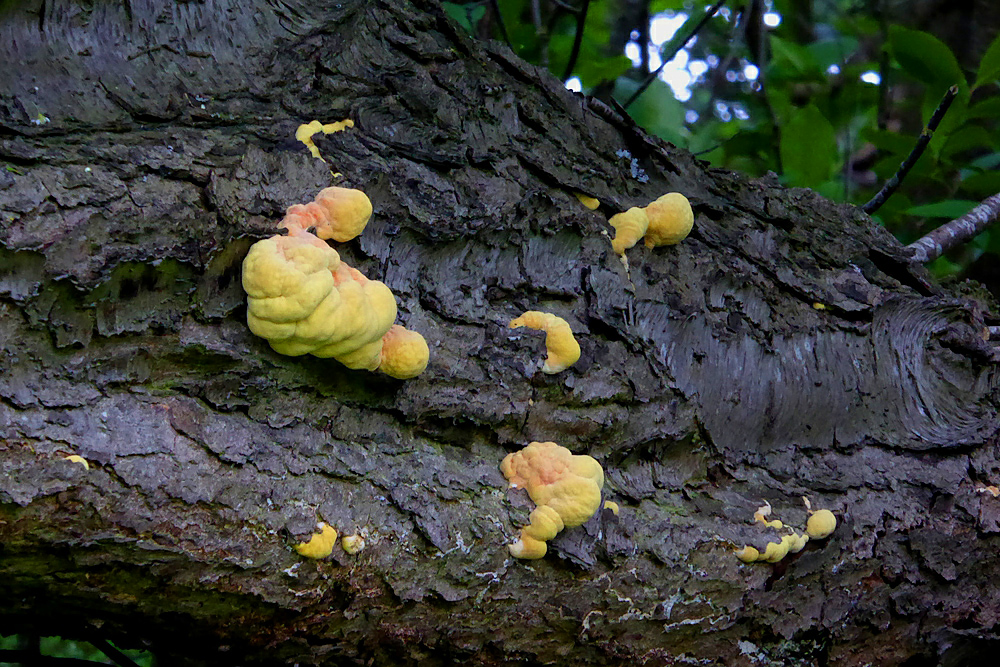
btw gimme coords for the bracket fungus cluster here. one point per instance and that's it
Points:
(820, 525)
(666, 221)
(565, 487)
(304, 300)
(562, 348)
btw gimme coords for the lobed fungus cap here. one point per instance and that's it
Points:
(563, 350)
(336, 213)
(590, 202)
(565, 487)
(670, 220)
(320, 545)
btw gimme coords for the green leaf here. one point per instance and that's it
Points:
(808, 148)
(988, 108)
(467, 16)
(989, 66)
(982, 184)
(792, 61)
(949, 208)
(925, 57)
(657, 110)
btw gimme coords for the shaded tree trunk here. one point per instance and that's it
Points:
(787, 348)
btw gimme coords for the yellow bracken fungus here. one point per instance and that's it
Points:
(611, 505)
(76, 458)
(588, 201)
(565, 487)
(563, 350)
(320, 545)
(304, 300)
(820, 524)
(666, 221)
(305, 133)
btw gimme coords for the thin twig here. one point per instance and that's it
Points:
(911, 159)
(495, 6)
(666, 59)
(956, 232)
(581, 19)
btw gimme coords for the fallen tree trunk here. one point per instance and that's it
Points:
(788, 348)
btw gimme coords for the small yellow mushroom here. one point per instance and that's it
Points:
(305, 133)
(588, 201)
(775, 551)
(748, 554)
(630, 226)
(611, 505)
(75, 458)
(563, 350)
(670, 220)
(352, 544)
(820, 524)
(320, 545)
(798, 544)
(762, 513)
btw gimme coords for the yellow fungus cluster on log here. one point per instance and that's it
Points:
(666, 221)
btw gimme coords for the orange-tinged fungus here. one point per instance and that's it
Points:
(563, 350)
(304, 300)
(337, 213)
(565, 487)
(305, 133)
(670, 220)
(630, 226)
(588, 201)
(404, 353)
(320, 545)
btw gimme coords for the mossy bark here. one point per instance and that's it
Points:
(785, 349)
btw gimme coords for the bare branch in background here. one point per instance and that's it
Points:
(925, 138)
(581, 19)
(956, 232)
(495, 7)
(667, 58)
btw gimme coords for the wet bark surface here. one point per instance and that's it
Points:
(785, 349)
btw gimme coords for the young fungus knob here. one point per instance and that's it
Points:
(336, 213)
(563, 350)
(820, 524)
(630, 226)
(404, 353)
(670, 220)
(352, 544)
(748, 554)
(320, 545)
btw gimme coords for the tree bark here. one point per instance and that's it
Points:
(786, 349)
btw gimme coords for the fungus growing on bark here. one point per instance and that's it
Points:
(565, 487)
(762, 513)
(588, 201)
(304, 300)
(352, 544)
(320, 545)
(563, 350)
(820, 524)
(305, 133)
(613, 506)
(76, 458)
(336, 213)
(666, 221)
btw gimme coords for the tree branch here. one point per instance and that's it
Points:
(904, 168)
(666, 59)
(581, 19)
(956, 232)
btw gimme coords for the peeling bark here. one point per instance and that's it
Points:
(787, 348)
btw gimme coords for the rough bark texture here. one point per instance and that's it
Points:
(147, 145)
